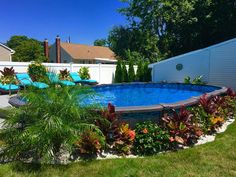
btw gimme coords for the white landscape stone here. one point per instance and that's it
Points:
(210, 138)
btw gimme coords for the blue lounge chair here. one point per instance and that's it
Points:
(55, 80)
(8, 88)
(77, 79)
(25, 80)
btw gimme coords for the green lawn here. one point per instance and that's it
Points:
(213, 159)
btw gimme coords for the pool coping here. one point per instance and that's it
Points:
(16, 102)
(164, 106)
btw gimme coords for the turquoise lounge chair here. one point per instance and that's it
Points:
(77, 79)
(25, 80)
(8, 88)
(55, 80)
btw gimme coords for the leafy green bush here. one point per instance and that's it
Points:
(187, 80)
(52, 120)
(8, 76)
(84, 73)
(131, 73)
(119, 74)
(37, 71)
(150, 139)
(197, 80)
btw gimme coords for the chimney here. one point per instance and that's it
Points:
(46, 49)
(58, 49)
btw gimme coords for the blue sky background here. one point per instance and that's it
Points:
(82, 20)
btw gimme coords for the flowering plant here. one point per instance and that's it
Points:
(150, 139)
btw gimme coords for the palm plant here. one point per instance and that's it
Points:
(52, 120)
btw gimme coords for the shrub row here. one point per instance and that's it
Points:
(143, 73)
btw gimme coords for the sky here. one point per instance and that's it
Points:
(83, 20)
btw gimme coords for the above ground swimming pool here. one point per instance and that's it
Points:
(146, 96)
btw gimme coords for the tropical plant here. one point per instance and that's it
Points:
(150, 139)
(64, 75)
(84, 73)
(8, 76)
(123, 138)
(119, 74)
(90, 143)
(52, 121)
(37, 71)
(212, 112)
(181, 127)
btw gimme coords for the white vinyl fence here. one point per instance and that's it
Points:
(103, 73)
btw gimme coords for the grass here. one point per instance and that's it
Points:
(212, 159)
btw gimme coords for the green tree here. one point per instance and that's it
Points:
(131, 72)
(147, 73)
(140, 71)
(119, 74)
(16, 41)
(26, 49)
(125, 72)
(183, 25)
(122, 38)
(100, 42)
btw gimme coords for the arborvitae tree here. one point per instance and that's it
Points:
(140, 72)
(131, 72)
(147, 76)
(119, 74)
(125, 72)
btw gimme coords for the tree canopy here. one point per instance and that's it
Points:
(27, 49)
(184, 25)
(100, 42)
(121, 39)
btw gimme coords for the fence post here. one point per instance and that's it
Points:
(71, 66)
(99, 68)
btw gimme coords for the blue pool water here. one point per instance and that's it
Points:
(146, 94)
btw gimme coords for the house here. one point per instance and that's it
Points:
(64, 52)
(5, 53)
(216, 64)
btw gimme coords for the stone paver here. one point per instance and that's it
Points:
(3, 104)
(4, 101)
